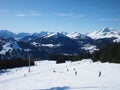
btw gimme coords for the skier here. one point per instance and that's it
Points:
(24, 75)
(54, 70)
(99, 73)
(67, 69)
(75, 72)
(74, 69)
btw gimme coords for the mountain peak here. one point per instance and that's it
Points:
(104, 33)
(106, 30)
(55, 35)
(77, 35)
(6, 33)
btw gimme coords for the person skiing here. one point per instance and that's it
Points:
(24, 75)
(54, 70)
(67, 69)
(75, 72)
(99, 73)
(74, 69)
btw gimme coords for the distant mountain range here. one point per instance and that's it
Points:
(43, 44)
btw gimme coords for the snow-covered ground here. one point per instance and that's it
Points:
(48, 75)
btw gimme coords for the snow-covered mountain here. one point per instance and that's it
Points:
(41, 34)
(20, 35)
(45, 43)
(56, 43)
(104, 33)
(11, 48)
(77, 35)
(55, 35)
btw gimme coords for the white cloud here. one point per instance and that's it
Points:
(36, 14)
(4, 12)
(72, 15)
(21, 15)
(65, 14)
(28, 14)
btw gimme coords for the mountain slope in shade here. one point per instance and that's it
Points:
(57, 43)
(21, 35)
(9, 48)
(104, 33)
(34, 36)
(6, 33)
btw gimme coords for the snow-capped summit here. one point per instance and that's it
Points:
(55, 35)
(65, 33)
(104, 33)
(77, 35)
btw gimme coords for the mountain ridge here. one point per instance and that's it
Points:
(43, 44)
(102, 33)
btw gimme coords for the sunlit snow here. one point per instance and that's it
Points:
(47, 75)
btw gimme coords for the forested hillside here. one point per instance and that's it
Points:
(111, 53)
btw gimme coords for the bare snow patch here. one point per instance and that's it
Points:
(90, 48)
(117, 40)
(9, 47)
(6, 48)
(27, 50)
(51, 45)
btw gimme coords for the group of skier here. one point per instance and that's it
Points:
(75, 72)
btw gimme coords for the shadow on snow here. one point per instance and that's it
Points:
(59, 88)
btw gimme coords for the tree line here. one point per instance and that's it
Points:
(16, 62)
(62, 58)
(110, 53)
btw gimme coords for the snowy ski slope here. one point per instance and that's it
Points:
(47, 75)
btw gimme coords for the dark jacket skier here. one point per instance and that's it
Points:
(99, 73)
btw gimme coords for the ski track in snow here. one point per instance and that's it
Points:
(48, 75)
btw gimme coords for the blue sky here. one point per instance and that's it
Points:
(59, 15)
